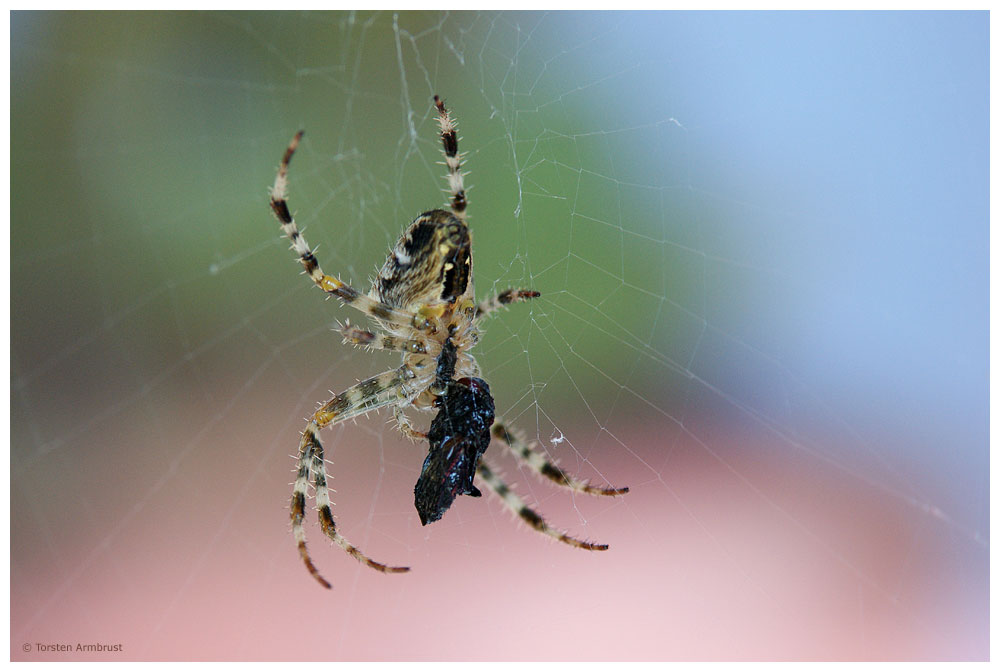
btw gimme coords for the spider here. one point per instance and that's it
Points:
(423, 306)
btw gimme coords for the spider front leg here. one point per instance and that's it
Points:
(490, 305)
(366, 396)
(329, 284)
(513, 502)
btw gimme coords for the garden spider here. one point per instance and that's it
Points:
(423, 306)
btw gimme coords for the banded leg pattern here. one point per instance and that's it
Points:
(536, 460)
(328, 283)
(330, 527)
(449, 146)
(513, 502)
(508, 296)
(366, 396)
(371, 340)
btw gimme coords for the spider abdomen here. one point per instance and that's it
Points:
(458, 436)
(431, 263)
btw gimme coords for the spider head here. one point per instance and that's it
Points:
(459, 435)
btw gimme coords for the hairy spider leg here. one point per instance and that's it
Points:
(382, 341)
(405, 428)
(449, 146)
(453, 159)
(329, 284)
(532, 457)
(487, 306)
(368, 395)
(363, 338)
(513, 502)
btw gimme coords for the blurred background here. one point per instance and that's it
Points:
(761, 243)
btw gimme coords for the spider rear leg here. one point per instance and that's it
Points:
(513, 502)
(531, 456)
(366, 396)
(329, 284)
(492, 304)
(298, 509)
(330, 527)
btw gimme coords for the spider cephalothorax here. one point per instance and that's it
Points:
(423, 305)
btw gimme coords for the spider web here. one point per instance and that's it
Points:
(760, 242)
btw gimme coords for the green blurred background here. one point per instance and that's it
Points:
(763, 308)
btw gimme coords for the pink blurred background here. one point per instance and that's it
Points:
(730, 553)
